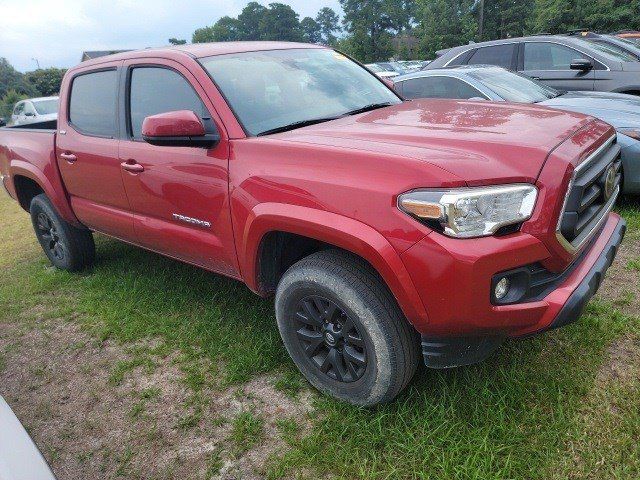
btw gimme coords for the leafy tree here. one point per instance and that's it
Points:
(227, 29)
(311, 30)
(7, 102)
(505, 18)
(203, 35)
(435, 34)
(175, 41)
(368, 23)
(251, 21)
(280, 22)
(11, 79)
(329, 22)
(46, 81)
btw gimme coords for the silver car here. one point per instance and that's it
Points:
(499, 85)
(35, 110)
(558, 61)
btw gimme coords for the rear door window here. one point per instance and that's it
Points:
(499, 55)
(92, 107)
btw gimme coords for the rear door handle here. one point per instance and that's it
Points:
(69, 157)
(132, 166)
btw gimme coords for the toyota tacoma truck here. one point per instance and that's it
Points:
(384, 228)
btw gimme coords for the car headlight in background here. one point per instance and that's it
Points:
(630, 132)
(471, 212)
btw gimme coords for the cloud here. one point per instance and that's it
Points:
(57, 32)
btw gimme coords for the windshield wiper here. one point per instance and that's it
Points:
(294, 125)
(367, 108)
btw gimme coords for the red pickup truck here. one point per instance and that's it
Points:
(380, 225)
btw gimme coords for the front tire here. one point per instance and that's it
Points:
(67, 247)
(344, 330)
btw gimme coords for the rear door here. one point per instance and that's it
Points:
(181, 198)
(87, 151)
(550, 63)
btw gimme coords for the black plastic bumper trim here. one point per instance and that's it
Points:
(450, 352)
(588, 287)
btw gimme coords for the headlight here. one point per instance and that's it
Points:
(471, 212)
(630, 132)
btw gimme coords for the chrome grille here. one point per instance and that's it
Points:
(592, 192)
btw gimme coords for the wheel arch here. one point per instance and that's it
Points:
(28, 181)
(270, 220)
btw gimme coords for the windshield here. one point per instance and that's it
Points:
(272, 89)
(624, 51)
(609, 51)
(46, 107)
(513, 87)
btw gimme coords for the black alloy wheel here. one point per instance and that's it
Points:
(47, 232)
(330, 339)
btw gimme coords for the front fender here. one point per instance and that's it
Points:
(333, 229)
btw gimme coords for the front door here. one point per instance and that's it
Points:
(550, 63)
(180, 198)
(87, 152)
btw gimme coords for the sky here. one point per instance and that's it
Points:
(56, 32)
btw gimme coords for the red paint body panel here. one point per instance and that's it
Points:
(183, 123)
(336, 182)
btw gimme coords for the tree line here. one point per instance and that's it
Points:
(16, 86)
(374, 30)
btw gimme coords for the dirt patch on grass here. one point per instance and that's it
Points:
(621, 285)
(622, 363)
(105, 410)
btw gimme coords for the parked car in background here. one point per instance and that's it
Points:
(393, 67)
(620, 45)
(3, 122)
(35, 110)
(20, 458)
(384, 228)
(410, 65)
(381, 72)
(631, 35)
(558, 61)
(497, 84)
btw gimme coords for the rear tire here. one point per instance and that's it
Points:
(67, 247)
(344, 329)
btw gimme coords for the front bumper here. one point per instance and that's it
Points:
(470, 328)
(589, 285)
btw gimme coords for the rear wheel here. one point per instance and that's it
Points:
(67, 247)
(344, 330)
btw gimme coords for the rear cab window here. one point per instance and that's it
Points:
(93, 103)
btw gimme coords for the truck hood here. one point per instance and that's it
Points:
(476, 141)
(618, 109)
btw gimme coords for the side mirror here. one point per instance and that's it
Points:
(182, 128)
(581, 64)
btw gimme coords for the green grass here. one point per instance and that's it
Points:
(534, 410)
(247, 430)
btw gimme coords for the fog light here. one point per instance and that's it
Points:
(502, 288)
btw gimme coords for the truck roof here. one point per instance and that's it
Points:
(200, 50)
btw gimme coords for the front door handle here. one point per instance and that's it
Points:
(132, 166)
(69, 157)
